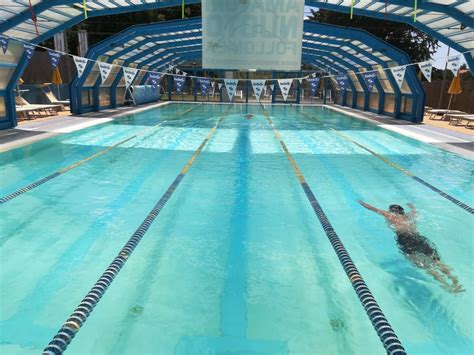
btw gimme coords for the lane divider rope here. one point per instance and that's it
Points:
(384, 330)
(73, 324)
(393, 165)
(40, 182)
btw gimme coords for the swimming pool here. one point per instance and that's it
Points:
(237, 259)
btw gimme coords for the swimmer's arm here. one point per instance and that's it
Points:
(413, 211)
(372, 208)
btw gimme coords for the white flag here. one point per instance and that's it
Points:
(399, 74)
(272, 87)
(231, 86)
(81, 64)
(258, 86)
(129, 74)
(104, 69)
(285, 85)
(300, 81)
(454, 63)
(426, 68)
(219, 85)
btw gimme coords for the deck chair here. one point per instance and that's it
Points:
(457, 119)
(441, 112)
(29, 111)
(54, 100)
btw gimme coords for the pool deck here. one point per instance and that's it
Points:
(456, 142)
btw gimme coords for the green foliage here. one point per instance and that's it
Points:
(416, 43)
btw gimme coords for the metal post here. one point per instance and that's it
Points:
(444, 81)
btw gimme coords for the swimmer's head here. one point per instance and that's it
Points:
(397, 209)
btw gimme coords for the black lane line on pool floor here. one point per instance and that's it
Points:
(75, 321)
(384, 330)
(40, 182)
(393, 165)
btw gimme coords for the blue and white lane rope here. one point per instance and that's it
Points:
(40, 182)
(73, 324)
(399, 168)
(384, 330)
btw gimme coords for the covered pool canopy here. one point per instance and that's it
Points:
(450, 21)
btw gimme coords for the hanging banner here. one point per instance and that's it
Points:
(29, 50)
(258, 86)
(4, 43)
(129, 74)
(314, 84)
(154, 80)
(399, 75)
(179, 81)
(342, 81)
(81, 64)
(426, 69)
(54, 58)
(262, 35)
(231, 86)
(454, 63)
(105, 69)
(205, 85)
(285, 85)
(370, 78)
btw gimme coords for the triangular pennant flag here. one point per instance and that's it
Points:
(285, 85)
(272, 87)
(426, 68)
(313, 75)
(300, 80)
(314, 84)
(81, 64)
(4, 43)
(105, 69)
(342, 81)
(370, 78)
(129, 74)
(219, 85)
(176, 71)
(231, 86)
(29, 49)
(154, 79)
(54, 58)
(205, 85)
(454, 63)
(258, 86)
(399, 74)
(179, 81)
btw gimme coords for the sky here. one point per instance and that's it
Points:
(438, 56)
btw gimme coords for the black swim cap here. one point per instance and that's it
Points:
(396, 209)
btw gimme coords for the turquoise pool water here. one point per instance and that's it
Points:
(236, 259)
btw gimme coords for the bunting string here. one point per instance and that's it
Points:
(84, 5)
(454, 62)
(33, 17)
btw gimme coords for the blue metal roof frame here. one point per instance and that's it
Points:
(155, 46)
(451, 23)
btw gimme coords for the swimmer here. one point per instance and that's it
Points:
(248, 116)
(418, 249)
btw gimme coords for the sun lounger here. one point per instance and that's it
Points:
(457, 119)
(30, 111)
(54, 100)
(441, 112)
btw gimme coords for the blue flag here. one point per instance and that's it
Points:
(154, 79)
(370, 78)
(205, 85)
(342, 81)
(4, 43)
(29, 50)
(314, 84)
(179, 81)
(54, 58)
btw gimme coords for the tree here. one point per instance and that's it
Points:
(417, 44)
